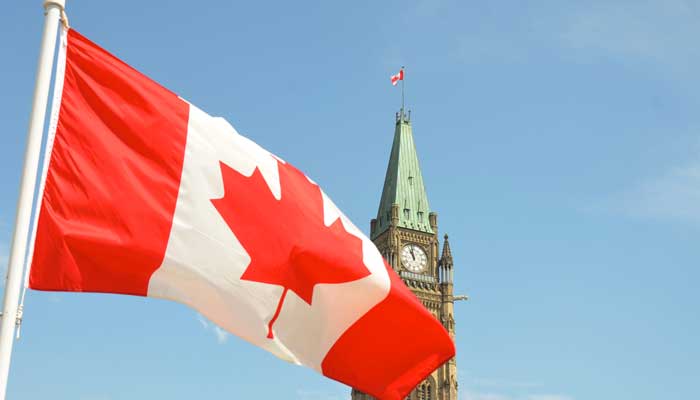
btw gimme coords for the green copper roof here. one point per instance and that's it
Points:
(403, 184)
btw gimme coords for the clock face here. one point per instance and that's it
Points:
(413, 258)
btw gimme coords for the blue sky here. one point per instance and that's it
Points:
(560, 145)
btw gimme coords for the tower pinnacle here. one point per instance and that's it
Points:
(446, 252)
(446, 264)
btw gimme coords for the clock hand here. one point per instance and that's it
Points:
(412, 255)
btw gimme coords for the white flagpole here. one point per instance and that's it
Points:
(13, 284)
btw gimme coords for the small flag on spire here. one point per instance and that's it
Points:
(396, 78)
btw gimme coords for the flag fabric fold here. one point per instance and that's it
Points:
(145, 194)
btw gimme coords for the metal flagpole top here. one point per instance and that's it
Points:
(60, 3)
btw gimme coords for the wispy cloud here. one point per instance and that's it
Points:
(472, 395)
(476, 395)
(220, 334)
(303, 394)
(479, 388)
(658, 31)
(674, 195)
(203, 321)
(549, 397)
(503, 383)
(658, 35)
(96, 397)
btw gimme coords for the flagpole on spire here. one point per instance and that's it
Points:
(403, 87)
(394, 81)
(11, 317)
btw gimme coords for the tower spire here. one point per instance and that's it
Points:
(403, 185)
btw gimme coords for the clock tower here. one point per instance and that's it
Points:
(406, 233)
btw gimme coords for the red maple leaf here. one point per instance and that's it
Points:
(287, 240)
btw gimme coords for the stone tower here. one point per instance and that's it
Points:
(406, 233)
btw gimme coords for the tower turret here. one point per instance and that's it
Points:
(446, 265)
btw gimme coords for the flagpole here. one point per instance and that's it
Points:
(403, 86)
(13, 284)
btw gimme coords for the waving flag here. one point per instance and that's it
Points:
(396, 78)
(145, 194)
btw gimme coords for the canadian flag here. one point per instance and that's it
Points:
(145, 194)
(396, 78)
